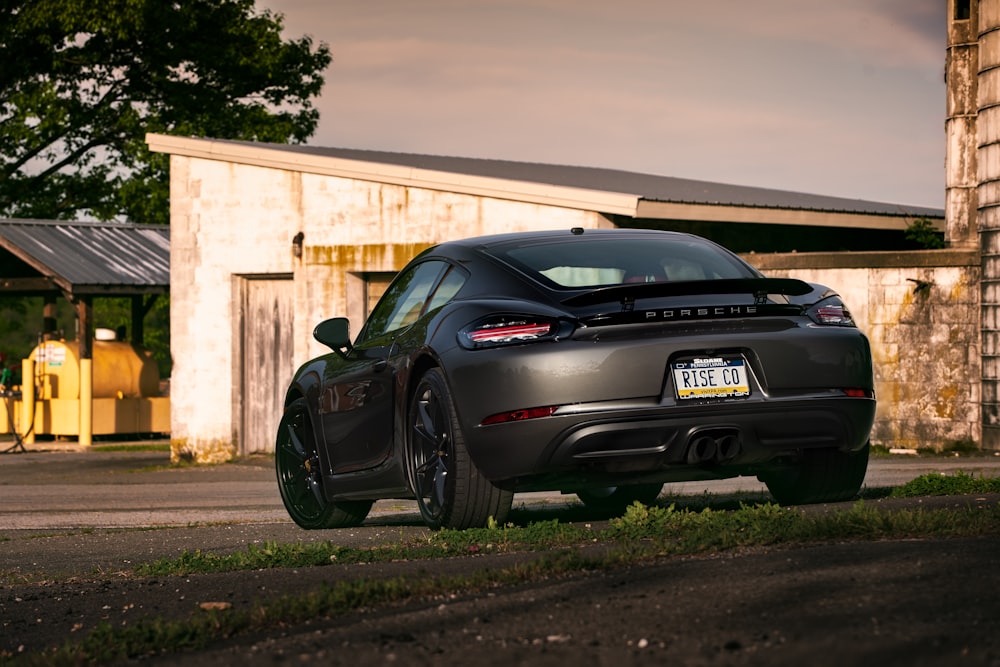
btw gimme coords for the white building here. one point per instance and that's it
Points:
(267, 240)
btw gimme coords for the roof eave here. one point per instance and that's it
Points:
(772, 215)
(272, 156)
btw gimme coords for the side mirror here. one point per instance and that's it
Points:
(335, 333)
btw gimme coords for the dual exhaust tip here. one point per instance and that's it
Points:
(713, 447)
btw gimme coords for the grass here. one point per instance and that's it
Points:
(951, 449)
(958, 483)
(698, 527)
(643, 534)
(133, 447)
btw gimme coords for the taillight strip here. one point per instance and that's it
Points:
(509, 332)
(857, 392)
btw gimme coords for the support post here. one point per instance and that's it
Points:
(83, 335)
(27, 401)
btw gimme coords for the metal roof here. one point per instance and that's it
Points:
(646, 186)
(606, 191)
(83, 258)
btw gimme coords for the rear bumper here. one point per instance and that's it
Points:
(702, 442)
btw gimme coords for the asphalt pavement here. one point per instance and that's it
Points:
(58, 486)
(71, 514)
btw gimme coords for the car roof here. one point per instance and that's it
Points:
(560, 234)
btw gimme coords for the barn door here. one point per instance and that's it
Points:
(264, 362)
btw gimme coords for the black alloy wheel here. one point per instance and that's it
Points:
(450, 490)
(300, 478)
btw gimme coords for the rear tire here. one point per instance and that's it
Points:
(616, 499)
(450, 490)
(820, 476)
(300, 478)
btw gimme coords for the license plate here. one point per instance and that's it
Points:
(711, 377)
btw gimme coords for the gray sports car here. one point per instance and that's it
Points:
(596, 362)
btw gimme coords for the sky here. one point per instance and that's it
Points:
(832, 97)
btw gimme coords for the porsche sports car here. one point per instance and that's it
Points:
(601, 363)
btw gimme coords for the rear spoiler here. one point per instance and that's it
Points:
(758, 287)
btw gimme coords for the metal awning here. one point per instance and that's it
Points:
(83, 259)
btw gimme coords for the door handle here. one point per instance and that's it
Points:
(380, 365)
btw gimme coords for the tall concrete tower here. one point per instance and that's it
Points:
(962, 76)
(972, 165)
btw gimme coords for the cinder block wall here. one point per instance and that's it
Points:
(920, 311)
(229, 220)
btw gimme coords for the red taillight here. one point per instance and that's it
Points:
(833, 314)
(519, 415)
(496, 330)
(509, 332)
(859, 393)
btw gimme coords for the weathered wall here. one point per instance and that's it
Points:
(987, 138)
(354, 226)
(920, 311)
(229, 219)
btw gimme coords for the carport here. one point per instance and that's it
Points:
(81, 261)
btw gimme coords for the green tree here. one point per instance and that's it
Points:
(82, 82)
(922, 233)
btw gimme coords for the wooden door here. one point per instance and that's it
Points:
(264, 363)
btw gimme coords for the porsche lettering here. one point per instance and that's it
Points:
(688, 313)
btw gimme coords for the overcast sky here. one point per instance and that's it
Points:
(832, 97)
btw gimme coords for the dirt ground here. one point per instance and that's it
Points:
(912, 602)
(885, 603)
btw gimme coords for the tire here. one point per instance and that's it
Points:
(616, 499)
(300, 479)
(820, 476)
(450, 490)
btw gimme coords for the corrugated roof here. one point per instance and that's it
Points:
(85, 257)
(646, 186)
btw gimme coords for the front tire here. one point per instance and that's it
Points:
(616, 499)
(450, 490)
(300, 478)
(820, 476)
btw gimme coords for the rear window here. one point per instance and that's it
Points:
(600, 262)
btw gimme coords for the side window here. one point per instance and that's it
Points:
(403, 302)
(446, 291)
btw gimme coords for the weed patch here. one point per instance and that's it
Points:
(958, 483)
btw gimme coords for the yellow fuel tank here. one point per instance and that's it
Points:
(121, 370)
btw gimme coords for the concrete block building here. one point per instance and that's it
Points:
(267, 240)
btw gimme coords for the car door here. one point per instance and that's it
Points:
(357, 398)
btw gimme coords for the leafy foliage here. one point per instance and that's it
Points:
(922, 233)
(16, 339)
(90, 79)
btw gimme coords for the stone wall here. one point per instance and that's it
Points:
(920, 310)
